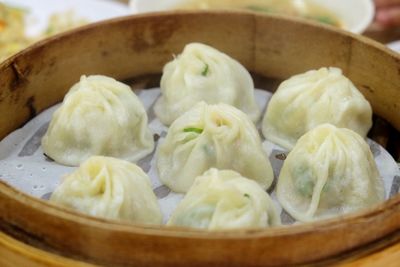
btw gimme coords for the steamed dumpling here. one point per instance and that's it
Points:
(313, 98)
(99, 116)
(110, 188)
(330, 171)
(219, 136)
(225, 200)
(202, 73)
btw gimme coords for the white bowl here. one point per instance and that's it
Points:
(356, 15)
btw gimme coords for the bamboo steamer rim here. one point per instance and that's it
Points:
(322, 225)
(383, 212)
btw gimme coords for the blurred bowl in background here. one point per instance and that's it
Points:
(395, 46)
(354, 16)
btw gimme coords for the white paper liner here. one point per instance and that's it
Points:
(23, 165)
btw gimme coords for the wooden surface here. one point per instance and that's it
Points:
(129, 47)
(387, 257)
(14, 253)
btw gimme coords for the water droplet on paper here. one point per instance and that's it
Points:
(20, 166)
(44, 169)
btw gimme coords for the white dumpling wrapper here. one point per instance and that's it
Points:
(110, 188)
(223, 199)
(331, 171)
(202, 73)
(98, 116)
(307, 100)
(207, 136)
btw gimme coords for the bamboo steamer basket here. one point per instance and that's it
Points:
(271, 46)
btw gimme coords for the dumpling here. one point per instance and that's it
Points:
(202, 73)
(110, 188)
(99, 116)
(330, 171)
(225, 200)
(219, 136)
(313, 98)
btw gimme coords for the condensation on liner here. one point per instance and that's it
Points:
(24, 166)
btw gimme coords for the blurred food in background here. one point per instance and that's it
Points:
(23, 22)
(13, 36)
(298, 8)
(63, 21)
(12, 30)
(350, 15)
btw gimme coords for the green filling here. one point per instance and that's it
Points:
(326, 187)
(193, 130)
(205, 70)
(208, 150)
(303, 181)
(197, 217)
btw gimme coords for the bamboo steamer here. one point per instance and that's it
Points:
(130, 47)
